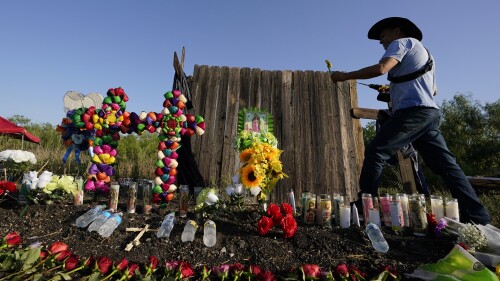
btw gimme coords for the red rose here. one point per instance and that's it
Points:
(2, 192)
(341, 270)
(237, 269)
(391, 270)
(103, 264)
(186, 269)
(266, 276)
(122, 264)
(12, 239)
(43, 254)
(289, 226)
(89, 262)
(153, 262)
(273, 210)
(355, 272)
(62, 255)
(71, 262)
(8, 186)
(132, 269)
(287, 208)
(255, 270)
(311, 270)
(265, 224)
(58, 247)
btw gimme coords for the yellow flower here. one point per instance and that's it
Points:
(328, 64)
(245, 155)
(249, 177)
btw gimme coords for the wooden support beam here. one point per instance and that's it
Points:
(368, 113)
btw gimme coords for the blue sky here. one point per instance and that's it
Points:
(50, 47)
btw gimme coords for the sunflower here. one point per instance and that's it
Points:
(249, 177)
(245, 155)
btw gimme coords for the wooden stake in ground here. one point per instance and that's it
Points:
(136, 241)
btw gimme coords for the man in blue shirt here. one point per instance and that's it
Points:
(416, 117)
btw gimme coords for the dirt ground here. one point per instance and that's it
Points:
(237, 240)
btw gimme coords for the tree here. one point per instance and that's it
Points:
(472, 133)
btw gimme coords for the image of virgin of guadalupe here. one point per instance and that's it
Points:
(256, 122)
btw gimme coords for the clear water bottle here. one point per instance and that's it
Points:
(189, 231)
(377, 238)
(110, 225)
(166, 226)
(89, 216)
(99, 221)
(209, 233)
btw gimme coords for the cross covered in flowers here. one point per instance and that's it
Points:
(98, 130)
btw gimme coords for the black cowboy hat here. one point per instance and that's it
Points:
(408, 27)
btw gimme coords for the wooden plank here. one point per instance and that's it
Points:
(217, 103)
(358, 135)
(305, 128)
(485, 183)
(231, 160)
(244, 87)
(316, 131)
(368, 113)
(337, 171)
(255, 91)
(286, 132)
(406, 173)
(198, 91)
(323, 132)
(353, 187)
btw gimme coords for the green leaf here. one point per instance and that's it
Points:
(8, 262)
(31, 258)
(38, 277)
(95, 276)
(65, 276)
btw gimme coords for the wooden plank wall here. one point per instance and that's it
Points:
(323, 145)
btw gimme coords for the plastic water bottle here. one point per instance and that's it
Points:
(99, 221)
(89, 216)
(377, 238)
(209, 233)
(166, 226)
(110, 225)
(189, 231)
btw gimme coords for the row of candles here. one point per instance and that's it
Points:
(399, 210)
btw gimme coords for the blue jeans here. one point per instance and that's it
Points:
(420, 126)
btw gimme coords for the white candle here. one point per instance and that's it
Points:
(437, 207)
(345, 216)
(452, 209)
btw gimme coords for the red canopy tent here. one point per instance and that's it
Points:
(11, 129)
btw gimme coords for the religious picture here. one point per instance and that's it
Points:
(256, 122)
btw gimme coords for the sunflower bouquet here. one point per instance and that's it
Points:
(261, 166)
